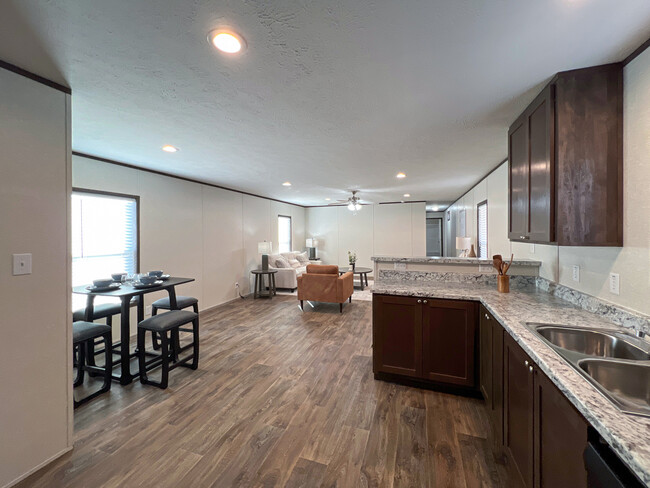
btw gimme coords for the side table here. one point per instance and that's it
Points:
(259, 283)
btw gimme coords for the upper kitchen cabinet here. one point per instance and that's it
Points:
(566, 159)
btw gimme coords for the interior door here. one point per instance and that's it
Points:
(449, 330)
(397, 335)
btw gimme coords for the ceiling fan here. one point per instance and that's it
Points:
(353, 203)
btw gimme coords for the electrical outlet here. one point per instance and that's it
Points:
(532, 248)
(147, 310)
(400, 266)
(614, 283)
(22, 264)
(576, 273)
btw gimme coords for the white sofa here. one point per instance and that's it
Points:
(287, 277)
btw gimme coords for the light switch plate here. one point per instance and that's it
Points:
(614, 283)
(22, 264)
(400, 266)
(576, 273)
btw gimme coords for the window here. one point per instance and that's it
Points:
(482, 240)
(284, 233)
(104, 238)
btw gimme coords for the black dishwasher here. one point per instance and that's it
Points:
(604, 468)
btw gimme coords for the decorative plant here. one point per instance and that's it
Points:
(352, 257)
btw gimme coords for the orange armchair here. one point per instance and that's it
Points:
(323, 284)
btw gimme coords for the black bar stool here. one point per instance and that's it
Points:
(163, 304)
(83, 339)
(162, 325)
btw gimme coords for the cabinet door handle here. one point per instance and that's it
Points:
(524, 237)
(525, 363)
(530, 368)
(487, 317)
(419, 301)
(424, 301)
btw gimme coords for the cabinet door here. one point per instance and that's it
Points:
(518, 410)
(486, 357)
(542, 165)
(449, 329)
(560, 438)
(397, 335)
(518, 176)
(496, 416)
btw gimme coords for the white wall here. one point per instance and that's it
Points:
(391, 229)
(195, 230)
(631, 262)
(35, 364)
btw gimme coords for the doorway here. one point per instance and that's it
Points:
(434, 236)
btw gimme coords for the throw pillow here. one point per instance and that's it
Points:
(282, 263)
(294, 263)
(302, 258)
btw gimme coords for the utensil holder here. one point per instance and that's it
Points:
(503, 284)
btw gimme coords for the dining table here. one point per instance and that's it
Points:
(126, 292)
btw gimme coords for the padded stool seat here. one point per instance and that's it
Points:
(83, 331)
(99, 311)
(83, 342)
(181, 302)
(168, 321)
(167, 327)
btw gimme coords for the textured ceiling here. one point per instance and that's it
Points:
(330, 95)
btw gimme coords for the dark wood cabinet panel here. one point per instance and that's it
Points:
(541, 225)
(397, 335)
(589, 156)
(486, 374)
(560, 438)
(518, 184)
(518, 409)
(566, 161)
(496, 416)
(449, 329)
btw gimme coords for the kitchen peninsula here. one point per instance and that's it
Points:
(454, 331)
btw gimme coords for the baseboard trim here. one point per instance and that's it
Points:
(39, 467)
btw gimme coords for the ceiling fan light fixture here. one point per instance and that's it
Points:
(351, 207)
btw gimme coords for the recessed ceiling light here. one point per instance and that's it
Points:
(407, 195)
(286, 183)
(227, 41)
(327, 199)
(400, 175)
(169, 148)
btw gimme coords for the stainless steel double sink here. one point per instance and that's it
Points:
(616, 363)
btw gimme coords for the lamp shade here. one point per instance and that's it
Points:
(309, 243)
(264, 247)
(463, 242)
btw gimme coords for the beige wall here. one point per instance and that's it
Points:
(631, 262)
(194, 230)
(35, 364)
(376, 230)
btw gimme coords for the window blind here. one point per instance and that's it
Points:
(284, 233)
(104, 239)
(482, 230)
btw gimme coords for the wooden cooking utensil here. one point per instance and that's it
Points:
(497, 261)
(506, 267)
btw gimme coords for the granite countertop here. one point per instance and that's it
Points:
(628, 435)
(439, 260)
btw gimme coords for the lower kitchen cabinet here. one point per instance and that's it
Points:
(491, 371)
(430, 340)
(544, 436)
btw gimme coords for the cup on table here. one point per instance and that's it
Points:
(148, 280)
(157, 274)
(118, 277)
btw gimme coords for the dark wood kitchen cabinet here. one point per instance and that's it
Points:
(544, 436)
(565, 155)
(430, 340)
(491, 372)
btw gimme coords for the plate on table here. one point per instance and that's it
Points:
(164, 277)
(111, 287)
(139, 285)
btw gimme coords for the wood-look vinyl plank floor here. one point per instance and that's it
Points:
(281, 398)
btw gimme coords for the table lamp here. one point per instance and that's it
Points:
(265, 248)
(312, 244)
(463, 243)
